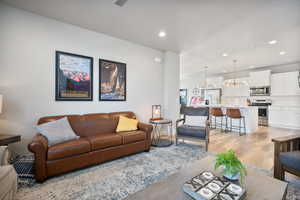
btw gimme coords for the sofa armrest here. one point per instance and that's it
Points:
(178, 121)
(283, 144)
(39, 146)
(147, 128)
(286, 139)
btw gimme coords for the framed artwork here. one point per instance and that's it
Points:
(183, 97)
(112, 81)
(74, 77)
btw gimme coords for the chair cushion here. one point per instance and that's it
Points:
(132, 136)
(105, 140)
(291, 159)
(191, 131)
(69, 148)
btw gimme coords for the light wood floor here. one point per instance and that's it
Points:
(255, 149)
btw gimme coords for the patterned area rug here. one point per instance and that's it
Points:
(117, 179)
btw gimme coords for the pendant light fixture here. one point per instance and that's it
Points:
(204, 84)
(234, 82)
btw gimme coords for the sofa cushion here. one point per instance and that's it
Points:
(290, 159)
(132, 136)
(69, 148)
(105, 140)
(191, 131)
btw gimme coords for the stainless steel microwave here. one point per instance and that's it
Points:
(260, 91)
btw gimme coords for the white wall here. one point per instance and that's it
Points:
(27, 71)
(171, 86)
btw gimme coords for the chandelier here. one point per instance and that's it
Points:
(234, 82)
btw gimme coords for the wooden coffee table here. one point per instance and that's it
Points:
(258, 185)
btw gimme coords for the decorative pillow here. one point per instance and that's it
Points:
(57, 131)
(195, 120)
(126, 124)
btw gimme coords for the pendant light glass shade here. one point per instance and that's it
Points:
(234, 82)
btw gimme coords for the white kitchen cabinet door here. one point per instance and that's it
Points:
(260, 78)
(285, 84)
(284, 117)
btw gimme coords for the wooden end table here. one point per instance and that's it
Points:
(258, 185)
(8, 139)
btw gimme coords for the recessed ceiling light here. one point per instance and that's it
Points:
(157, 59)
(225, 54)
(282, 52)
(162, 34)
(251, 67)
(273, 42)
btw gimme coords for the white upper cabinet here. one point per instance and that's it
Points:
(260, 78)
(285, 84)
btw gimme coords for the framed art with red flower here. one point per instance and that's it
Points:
(74, 77)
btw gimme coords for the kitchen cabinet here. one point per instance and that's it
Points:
(284, 117)
(285, 84)
(260, 78)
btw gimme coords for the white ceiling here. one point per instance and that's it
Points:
(201, 30)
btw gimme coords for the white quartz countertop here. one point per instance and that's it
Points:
(230, 106)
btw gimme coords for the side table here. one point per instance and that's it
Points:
(8, 139)
(157, 140)
(5, 140)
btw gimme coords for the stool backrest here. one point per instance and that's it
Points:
(217, 112)
(233, 113)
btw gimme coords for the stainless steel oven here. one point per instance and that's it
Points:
(263, 110)
(260, 91)
(263, 115)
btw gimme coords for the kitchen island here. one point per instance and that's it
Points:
(249, 112)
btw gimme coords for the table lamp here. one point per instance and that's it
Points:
(156, 112)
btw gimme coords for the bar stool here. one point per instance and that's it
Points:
(233, 113)
(217, 113)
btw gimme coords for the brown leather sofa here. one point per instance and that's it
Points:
(98, 142)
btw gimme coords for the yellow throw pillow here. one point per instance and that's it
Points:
(126, 124)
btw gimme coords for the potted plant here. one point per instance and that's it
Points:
(231, 166)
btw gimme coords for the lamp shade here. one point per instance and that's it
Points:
(1, 101)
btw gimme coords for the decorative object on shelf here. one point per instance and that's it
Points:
(183, 97)
(112, 81)
(156, 112)
(208, 186)
(1, 102)
(234, 82)
(74, 77)
(231, 166)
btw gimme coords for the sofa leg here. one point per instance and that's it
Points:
(176, 141)
(147, 150)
